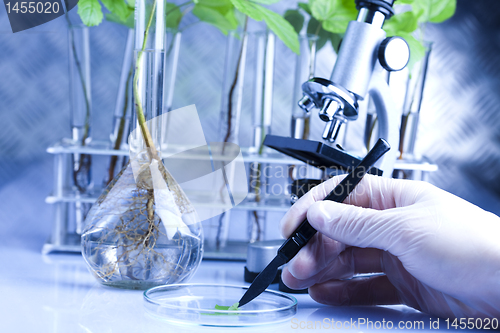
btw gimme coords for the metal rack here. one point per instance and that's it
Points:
(63, 239)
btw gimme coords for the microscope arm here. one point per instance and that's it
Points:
(359, 71)
(389, 119)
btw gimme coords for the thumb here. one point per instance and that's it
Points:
(357, 226)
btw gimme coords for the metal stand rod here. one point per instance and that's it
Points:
(60, 227)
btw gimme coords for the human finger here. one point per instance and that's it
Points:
(388, 230)
(348, 263)
(376, 290)
(372, 192)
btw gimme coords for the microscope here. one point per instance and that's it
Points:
(365, 57)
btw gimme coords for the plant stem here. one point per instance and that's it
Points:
(231, 90)
(257, 195)
(151, 216)
(259, 170)
(121, 130)
(83, 164)
(138, 104)
(148, 140)
(228, 133)
(256, 216)
(82, 81)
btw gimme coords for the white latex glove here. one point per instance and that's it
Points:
(440, 254)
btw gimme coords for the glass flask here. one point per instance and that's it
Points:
(143, 231)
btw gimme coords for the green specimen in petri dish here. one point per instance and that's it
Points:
(233, 307)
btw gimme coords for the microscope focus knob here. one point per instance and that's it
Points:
(306, 103)
(394, 53)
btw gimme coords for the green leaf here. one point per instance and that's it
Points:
(231, 17)
(338, 22)
(90, 12)
(401, 23)
(266, 2)
(249, 9)
(295, 18)
(405, 1)
(222, 6)
(440, 14)
(233, 307)
(173, 15)
(435, 11)
(349, 4)
(323, 9)
(282, 29)
(121, 12)
(334, 15)
(240, 18)
(213, 17)
(314, 28)
(225, 8)
(131, 3)
(274, 21)
(118, 7)
(129, 22)
(305, 7)
(215, 3)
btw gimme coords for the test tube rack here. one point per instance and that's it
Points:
(64, 238)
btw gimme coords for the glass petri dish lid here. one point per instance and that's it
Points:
(194, 304)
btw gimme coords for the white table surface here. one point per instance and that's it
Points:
(57, 294)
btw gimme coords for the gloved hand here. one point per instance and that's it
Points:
(440, 254)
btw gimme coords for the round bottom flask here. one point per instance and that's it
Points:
(142, 231)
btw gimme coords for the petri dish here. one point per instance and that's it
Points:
(194, 304)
